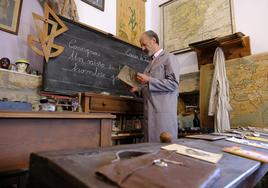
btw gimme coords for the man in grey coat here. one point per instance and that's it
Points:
(160, 82)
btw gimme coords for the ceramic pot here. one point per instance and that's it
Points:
(4, 63)
(22, 65)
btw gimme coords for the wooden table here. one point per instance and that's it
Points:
(77, 168)
(22, 133)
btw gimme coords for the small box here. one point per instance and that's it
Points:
(15, 106)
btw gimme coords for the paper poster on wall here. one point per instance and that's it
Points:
(187, 21)
(130, 22)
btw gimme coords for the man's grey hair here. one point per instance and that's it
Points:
(152, 34)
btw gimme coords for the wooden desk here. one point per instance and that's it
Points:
(22, 133)
(77, 168)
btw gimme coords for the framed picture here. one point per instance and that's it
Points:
(10, 15)
(99, 4)
(130, 20)
(188, 21)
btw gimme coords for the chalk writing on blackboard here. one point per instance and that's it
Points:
(73, 45)
(91, 61)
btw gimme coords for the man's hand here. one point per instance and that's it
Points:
(134, 89)
(142, 78)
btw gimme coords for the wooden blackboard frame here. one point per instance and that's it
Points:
(140, 60)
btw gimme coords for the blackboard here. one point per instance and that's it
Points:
(90, 62)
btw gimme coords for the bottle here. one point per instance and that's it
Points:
(196, 121)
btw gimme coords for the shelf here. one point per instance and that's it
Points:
(234, 46)
(128, 111)
(126, 136)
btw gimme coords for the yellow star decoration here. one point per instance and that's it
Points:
(46, 34)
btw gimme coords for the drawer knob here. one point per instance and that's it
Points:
(103, 104)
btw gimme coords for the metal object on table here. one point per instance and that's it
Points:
(159, 162)
(164, 162)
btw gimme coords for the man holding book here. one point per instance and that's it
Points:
(160, 82)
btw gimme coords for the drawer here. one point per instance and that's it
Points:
(115, 105)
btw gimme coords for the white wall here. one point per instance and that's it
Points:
(15, 46)
(103, 20)
(155, 17)
(251, 19)
(106, 20)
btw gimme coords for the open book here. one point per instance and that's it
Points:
(128, 75)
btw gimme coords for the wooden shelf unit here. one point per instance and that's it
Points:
(123, 107)
(234, 46)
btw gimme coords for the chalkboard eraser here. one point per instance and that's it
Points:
(110, 34)
(105, 93)
(126, 96)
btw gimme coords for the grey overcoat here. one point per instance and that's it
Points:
(161, 96)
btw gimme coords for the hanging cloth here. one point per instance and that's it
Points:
(219, 105)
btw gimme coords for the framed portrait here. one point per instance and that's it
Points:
(187, 21)
(10, 15)
(99, 4)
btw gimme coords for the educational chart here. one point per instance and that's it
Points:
(188, 21)
(248, 80)
(130, 21)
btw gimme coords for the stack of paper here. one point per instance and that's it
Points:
(195, 153)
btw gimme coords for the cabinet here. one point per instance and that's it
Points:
(127, 127)
(188, 105)
(22, 133)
